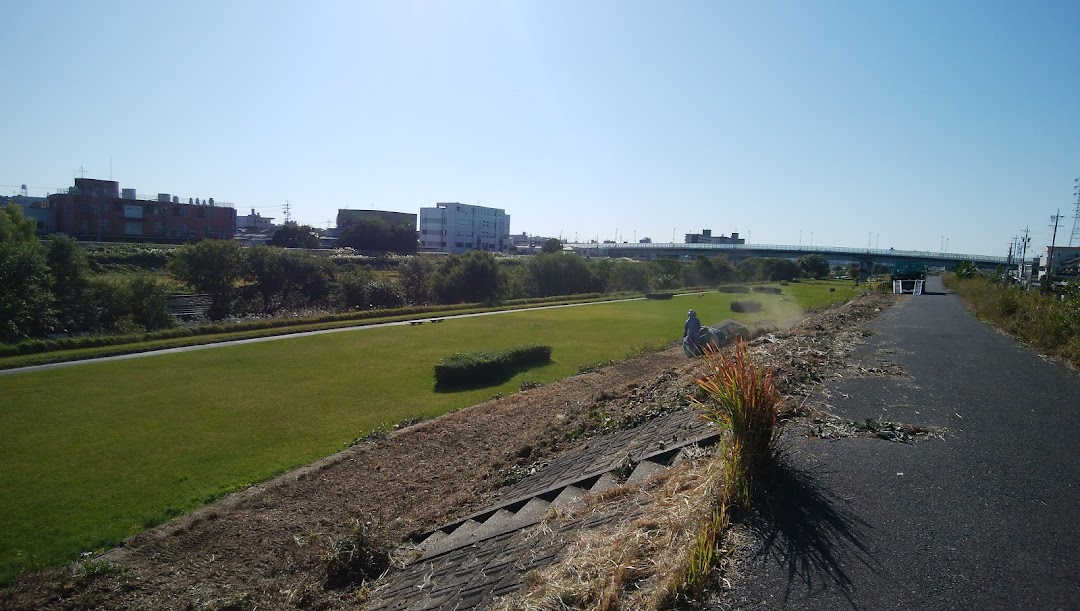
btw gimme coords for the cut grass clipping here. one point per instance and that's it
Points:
(639, 560)
(662, 556)
(465, 370)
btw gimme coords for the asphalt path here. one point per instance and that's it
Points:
(987, 518)
(287, 335)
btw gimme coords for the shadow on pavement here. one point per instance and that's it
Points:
(806, 528)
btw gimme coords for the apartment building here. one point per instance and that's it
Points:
(456, 228)
(96, 210)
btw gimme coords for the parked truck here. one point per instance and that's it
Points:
(908, 270)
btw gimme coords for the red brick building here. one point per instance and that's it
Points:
(94, 210)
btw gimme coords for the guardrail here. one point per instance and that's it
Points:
(676, 247)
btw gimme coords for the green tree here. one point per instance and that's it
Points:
(768, 269)
(351, 289)
(415, 277)
(106, 308)
(25, 300)
(466, 278)
(69, 268)
(24, 291)
(291, 235)
(667, 272)
(14, 226)
(701, 271)
(264, 266)
(212, 267)
(383, 294)
(308, 279)
(557, 274)
(966, 269)
(814, 266)
(513, 282)
(725, 271)
(629, 276)
(147, 303)
(551, 245)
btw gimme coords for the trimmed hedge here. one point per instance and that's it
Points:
(771, 290)
(733, 288)
(659, 295)
(479, 369)
(745, 306)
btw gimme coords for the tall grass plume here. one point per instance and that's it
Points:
(743, 400)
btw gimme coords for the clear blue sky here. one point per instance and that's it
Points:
(894, 124)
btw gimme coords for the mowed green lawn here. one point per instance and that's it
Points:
(93, 453)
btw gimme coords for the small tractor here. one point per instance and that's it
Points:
(908, 277)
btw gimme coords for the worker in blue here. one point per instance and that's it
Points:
(692, 329)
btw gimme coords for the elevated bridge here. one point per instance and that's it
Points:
(738, 252)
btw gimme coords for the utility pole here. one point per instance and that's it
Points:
(1023, 256)
(1008, 259)
(1055, 219)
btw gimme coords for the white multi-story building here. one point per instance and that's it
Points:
(456, 228)
(254, 221)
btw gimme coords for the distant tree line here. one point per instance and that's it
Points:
(48, 288)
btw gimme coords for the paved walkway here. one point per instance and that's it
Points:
(988, 518)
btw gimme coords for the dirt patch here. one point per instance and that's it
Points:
(273, 545)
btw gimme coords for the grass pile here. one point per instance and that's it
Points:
(746, 306)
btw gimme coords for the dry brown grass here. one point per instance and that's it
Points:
(640, 560)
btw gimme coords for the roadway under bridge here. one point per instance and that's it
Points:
(865, 257)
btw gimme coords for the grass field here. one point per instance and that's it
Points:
(94, 453)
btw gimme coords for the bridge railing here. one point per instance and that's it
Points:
(825, 250)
